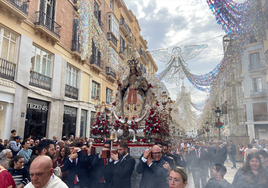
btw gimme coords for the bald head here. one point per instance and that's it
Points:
(156, 153)
(41, 170)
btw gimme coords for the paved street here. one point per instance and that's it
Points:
(229, 176)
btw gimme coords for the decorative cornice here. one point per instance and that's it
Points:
(7, 83)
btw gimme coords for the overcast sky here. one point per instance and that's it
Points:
(171, 23)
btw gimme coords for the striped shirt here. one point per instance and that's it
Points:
(20, 176)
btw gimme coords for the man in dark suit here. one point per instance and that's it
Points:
(120, 167)
(164, 148)
(98, 166)
(218, 155)
(197, 161)
(153, 168)
(77, 164)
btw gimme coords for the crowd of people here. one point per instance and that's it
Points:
(73, 163)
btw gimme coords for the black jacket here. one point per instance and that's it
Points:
(119, 174)
(81, 170)
(170, 161)
(213, 183)
(197, 163)
(218, 156)
(153, 176)
(232, 150)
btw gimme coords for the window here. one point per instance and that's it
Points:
(113, 25)
(76, 36)
(109, 94)
(260, 111)
(83, 123)
(97, 12)
(71, 76)
(122, 45)
(111, 4)
(41, 61)
(141, 66)
(254, 60)
(257, 85)
(144, 70)
(8, 41)
(252, 40)
(95, 90)
(47, 9)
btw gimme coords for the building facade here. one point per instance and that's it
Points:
(46, 89)
(255, 87)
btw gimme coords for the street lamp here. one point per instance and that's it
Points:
(218, 124)
(207, 130)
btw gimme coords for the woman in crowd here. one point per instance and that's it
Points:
(177, 177)
(18, 172)
(252, 174)
(242, 150)
(64, 153)
(6, 156)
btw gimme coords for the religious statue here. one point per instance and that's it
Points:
(131, 95)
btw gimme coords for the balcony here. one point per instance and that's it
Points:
(7, 69)
(256, 66)
(40, 80)
(143, 56)
(258, 93)
(124, 27)
(96, 64)
(17, 8)
(111, 75)
(47, 25)
(76, 46)
(71, 92)
(112, 40)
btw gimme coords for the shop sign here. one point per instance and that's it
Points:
(37, 107)
(262, 130)
(69, 112)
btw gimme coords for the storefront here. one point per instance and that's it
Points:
(36, 119)
(261, 131)
(69, 121)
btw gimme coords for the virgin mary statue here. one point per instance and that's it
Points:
(131, 96)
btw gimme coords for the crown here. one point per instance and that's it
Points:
(133, 62)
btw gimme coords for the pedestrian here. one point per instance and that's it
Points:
(13, 135)
(242, 150)
(264, 159)
(15, 146)
(248, 151)
(18, 172)
(26, 153)
(77, 164)
(6, 156)
(1, 145)
(252, 174)
(41, 174)
(120, 167)
(55, 140)
(59, 162)
(153, 168)
(197, 162)
(217, 155)
(34, 154)
(266, 147)
(232, 153)
(166, 158)
(178, 178)
(218, 180)
(98, 165)
(47, 147)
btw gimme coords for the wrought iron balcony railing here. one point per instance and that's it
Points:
(40, 80)
(110, 72)
(123, 22)
(47, 22)
(76, 46)
(143, 54)
(259, 92)
(22, 5)
(256, 66)
(112, 38)
(71, 92)
(96, 61)
(7, 69)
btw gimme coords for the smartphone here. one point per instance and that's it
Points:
(93, 150)
(106, 154)
(84, 151)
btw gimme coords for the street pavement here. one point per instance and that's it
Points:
(229, 176)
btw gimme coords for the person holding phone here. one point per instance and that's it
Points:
(98, 165)
(77, 164)
(154, 169)
(120, 167)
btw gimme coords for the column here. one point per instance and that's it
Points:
(78, 122)
(251, 131)
(88, 130)
(22, 77)
(8, 121)
(90, 88)
(56, 108)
